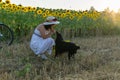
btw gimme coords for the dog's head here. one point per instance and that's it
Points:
(75, 49)
(59, 36)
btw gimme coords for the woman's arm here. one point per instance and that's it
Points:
(44, 33)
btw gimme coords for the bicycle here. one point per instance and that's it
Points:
(6, 35)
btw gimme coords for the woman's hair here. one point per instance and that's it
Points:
(47, 27)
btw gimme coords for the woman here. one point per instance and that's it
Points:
(41, 41)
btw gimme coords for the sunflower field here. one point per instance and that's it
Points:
(23, 19)
(98, 56)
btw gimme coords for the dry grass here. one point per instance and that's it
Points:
(98, 59)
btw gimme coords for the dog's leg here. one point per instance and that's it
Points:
(69, 55)
(73, 55)
(56, 54)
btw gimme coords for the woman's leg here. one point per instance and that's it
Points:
(47, 46)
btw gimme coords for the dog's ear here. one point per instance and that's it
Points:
(57, 32)
(59, 36)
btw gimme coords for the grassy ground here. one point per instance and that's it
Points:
(98, 59)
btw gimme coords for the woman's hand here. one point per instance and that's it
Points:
(53, 30)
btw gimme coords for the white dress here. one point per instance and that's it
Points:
(39, 45)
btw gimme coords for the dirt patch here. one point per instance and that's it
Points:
(97, 59)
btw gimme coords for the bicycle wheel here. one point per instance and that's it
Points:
(6, 35)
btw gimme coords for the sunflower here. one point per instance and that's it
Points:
(54, 14)
(0, 0)
(3, 6)
(34, 9)
(7, 1)
(39, 11)
(63, 15)
(47, 11)
(10, 6)
(59, 14)
(44, 15)
(89, 15)
(85, 12)
(71, 17)
(50, 14)
(14, 5)
(29, 8)
(76, 14)
(79, 16)
(18, 8)
(13, 10)
(68, 11)
(24, 9)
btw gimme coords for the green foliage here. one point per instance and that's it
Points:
(26, 69)
(73, 23)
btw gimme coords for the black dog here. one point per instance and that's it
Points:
(62, 46)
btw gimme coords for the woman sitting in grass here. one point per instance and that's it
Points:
(41, 40)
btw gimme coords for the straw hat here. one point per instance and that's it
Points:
(51, 20)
